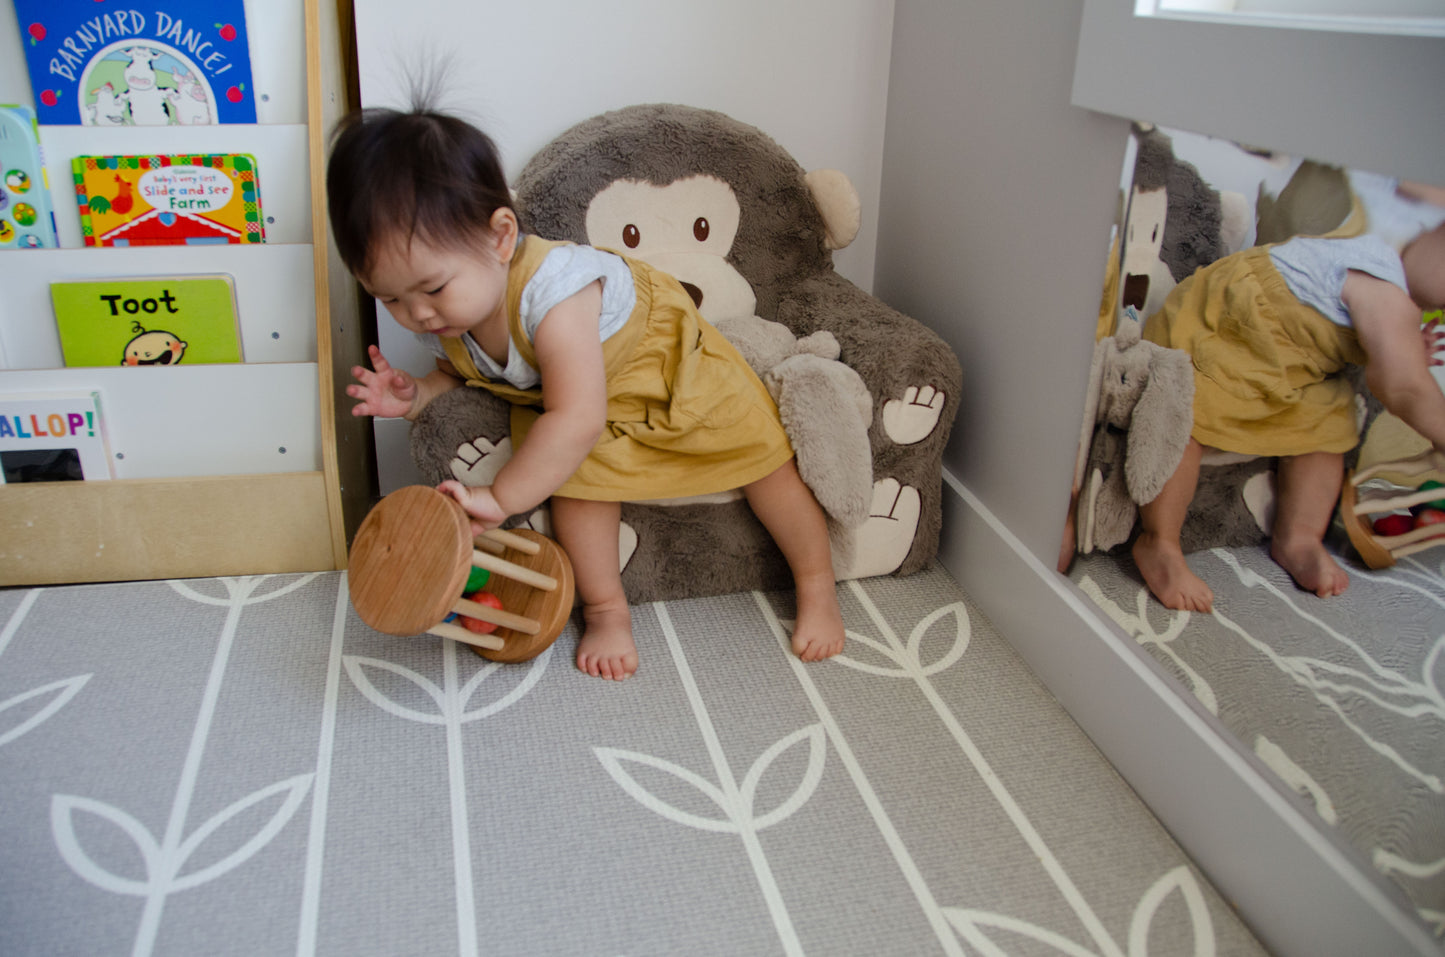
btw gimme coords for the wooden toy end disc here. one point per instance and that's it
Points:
(550, 609)
(1361, 535)
(409, 561)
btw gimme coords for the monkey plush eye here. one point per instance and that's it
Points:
(631, 236)
(700, 229)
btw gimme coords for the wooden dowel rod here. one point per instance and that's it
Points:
(496, 616)
(513, 571)
(487, 545)
(1376, 501)
(458, 633)
(1416, 547)
(509, 540)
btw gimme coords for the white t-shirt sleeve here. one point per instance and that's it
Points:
(566, 271)
(1315, 269)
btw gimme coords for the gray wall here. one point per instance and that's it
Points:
(997, 200)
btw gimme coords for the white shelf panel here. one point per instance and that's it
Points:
(275, 295)
(188, 421)
(282, 167)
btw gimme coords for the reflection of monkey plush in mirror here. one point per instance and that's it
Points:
(1271, 330)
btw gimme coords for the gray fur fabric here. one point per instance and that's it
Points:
(781, 250)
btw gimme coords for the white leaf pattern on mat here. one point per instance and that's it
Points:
(61, 692)
(967, 921)
(451, 698)
(970, 923)
(1138, 627)
(163, 867)
(908, 658)
(613, 760)
(738, 808)
(1343, 689)
(165, 857)
(736, 802)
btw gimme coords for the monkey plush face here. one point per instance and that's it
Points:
(686, 229)
(702, 165)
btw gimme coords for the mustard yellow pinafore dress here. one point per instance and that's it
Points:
(686, 415)
(1267, 368)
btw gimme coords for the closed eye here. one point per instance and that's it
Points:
(433, 292)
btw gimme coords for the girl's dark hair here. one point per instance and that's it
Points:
(407, 174)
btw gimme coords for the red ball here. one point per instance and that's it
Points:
(1429, 516)
(476, 625)
(1397, 524)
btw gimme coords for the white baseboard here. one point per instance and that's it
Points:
(1298, 890)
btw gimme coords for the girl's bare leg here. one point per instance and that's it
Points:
(588, 532)
(1157, 552)
(1309, 487)
(787, 508)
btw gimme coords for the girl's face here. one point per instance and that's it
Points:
(441, 290)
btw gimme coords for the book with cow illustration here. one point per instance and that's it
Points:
(169, 63)
(169, 200)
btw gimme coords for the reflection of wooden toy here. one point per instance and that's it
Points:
(1381, 551)
(410, 562)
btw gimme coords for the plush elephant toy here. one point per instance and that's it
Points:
(1138, 416)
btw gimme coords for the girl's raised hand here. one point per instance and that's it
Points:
(383, 391)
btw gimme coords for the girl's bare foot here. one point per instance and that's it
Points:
(1311, 566)
(1168, 575)
(607, 649)
(818, 632)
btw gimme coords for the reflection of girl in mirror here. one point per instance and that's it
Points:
(1270, 330)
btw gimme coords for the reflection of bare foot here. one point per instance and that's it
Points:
(818, 632)
(607, 649)
(1310, 565)
(1168, 576)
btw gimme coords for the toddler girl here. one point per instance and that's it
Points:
(620, 390)
(1270, 330)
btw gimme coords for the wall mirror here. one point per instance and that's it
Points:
(1343, 698)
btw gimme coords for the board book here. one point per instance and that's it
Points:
(53, 437)
(164, 63)
(169, 200)
(150, 321)
(27, 219)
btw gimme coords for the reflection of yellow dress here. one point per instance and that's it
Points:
(686, 415)
(1267, 367)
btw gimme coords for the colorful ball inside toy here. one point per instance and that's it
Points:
(477, 580)
(1429, 516)
(1396, 523)
(1428, 484)
(476, 625)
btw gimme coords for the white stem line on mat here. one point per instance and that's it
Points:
(1010, 807)
(772, 894)
(321, 793)
(461, 829)
(18, 616)
(936, 919)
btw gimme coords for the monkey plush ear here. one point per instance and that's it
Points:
(838, 202)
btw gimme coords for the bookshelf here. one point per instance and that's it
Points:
(236, 469)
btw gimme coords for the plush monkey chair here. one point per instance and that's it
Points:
(732, 215)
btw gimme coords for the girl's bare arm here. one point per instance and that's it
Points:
(1397, 369)
(574, 402)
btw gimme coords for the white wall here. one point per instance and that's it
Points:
(812, 74)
